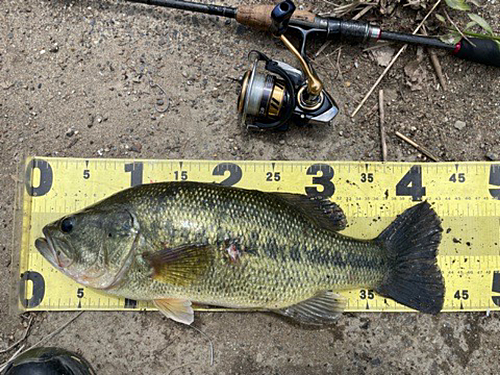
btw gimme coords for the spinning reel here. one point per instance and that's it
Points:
(280, 94)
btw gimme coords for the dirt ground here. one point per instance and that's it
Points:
(75, 81)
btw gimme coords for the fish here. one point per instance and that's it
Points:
(183, 243)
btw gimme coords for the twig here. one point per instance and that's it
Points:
(209, 341)
(181, 366)
(371, 111)
(48, 337)
(422, 149)
(436, 64)
(377, 46)
(322, 48)
(331, 3)
(21, 339)
(363, 12)
(382, 126)
(4, 365)
(393, 61)
(456, 28)
(339, 72)
(338, 66)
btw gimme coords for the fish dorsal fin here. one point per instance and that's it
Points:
(179, 310)
(323, 308)
(180, 265)
(323, 212)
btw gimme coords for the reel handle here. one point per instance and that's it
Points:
(280, 17)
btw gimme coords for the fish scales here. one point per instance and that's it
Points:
(268, 274)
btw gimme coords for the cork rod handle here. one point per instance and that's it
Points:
(259, 17)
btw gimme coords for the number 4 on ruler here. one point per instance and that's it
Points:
(496, 288)
(495, 180)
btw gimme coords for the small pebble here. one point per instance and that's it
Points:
(492, 156)
(460, 125)
(136, 147)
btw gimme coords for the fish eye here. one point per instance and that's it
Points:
(67, 224)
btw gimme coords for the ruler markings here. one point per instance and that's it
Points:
(461, 205)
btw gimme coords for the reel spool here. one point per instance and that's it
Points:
(265, 101)
(266, 95)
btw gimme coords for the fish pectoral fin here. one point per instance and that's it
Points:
(322, 211)
(179, 310)
(180, 265)
(324, 308)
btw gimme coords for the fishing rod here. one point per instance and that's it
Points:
(286, 94)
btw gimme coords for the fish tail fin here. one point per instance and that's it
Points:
(411, 243)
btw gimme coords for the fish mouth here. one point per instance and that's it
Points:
(48, 250)
(44, 248)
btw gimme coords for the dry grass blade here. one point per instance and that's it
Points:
(363, 12)
(342, 10)
(436, 64)
(393, 61)
(210, 343)
(21, 339)
(457, 28)
(382, 125)
(4, 365)
(322, 48)
(422, 149)
(46, 338)
(49, 336)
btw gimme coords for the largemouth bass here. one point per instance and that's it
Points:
(181, 242)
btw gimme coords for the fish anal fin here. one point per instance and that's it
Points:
(322, 211)
(181, 265)
(179, 310)
(324, 308)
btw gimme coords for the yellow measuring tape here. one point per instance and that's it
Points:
(465, 195)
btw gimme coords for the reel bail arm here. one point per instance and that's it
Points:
(281, 14)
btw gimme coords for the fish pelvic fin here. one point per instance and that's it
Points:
(321, 211)
(411, 243)
(179, 310)
(324, 308)
(181, 265)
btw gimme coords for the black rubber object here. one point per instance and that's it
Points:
(485, 51)
(48, 361)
